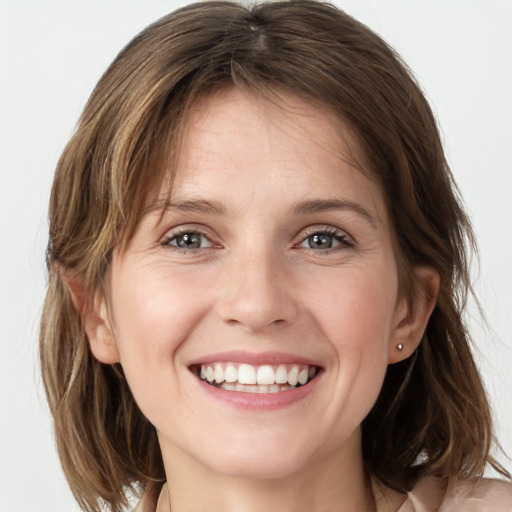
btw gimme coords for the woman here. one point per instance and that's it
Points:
(257, 273)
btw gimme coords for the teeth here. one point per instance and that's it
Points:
(243, 388)
(256, 379)
(231, 373)
(281, 375)
(303, 376)
(219, 373)
(293, 376)
(246, 374)
(266, 375)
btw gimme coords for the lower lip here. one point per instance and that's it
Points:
(260, 401)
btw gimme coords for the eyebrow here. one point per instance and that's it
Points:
(300, 208)
(193, 205)
(323, 205)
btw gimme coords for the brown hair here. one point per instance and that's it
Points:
(432, 416)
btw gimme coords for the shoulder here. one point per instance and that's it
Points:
(482, 495)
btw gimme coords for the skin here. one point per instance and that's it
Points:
(259, 284)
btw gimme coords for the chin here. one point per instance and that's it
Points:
(259, 466)
(266, 457)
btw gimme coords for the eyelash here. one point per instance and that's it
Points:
(182, 233)
(337, 235)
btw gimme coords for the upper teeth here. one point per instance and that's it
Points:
(249, 374)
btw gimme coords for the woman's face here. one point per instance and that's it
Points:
(273, 263)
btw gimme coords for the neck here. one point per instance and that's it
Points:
(336, 483)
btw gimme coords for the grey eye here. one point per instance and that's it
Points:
(320, 241)
(189, 240)
(325, 239)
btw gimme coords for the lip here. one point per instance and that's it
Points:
(257, 401)
(254, 358)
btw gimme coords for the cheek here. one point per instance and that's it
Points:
(355, 309)
(154, 307)
(356, 315)
(154, 311)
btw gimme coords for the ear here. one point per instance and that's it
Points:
(412, 314)
(95, 318)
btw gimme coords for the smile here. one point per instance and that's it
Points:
(247, 378)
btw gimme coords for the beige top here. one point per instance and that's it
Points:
(485, 495)
(429, 495)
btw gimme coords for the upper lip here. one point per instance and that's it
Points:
(254, 358)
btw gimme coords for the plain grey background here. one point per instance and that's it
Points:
(51, 55)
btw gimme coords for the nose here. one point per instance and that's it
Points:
(257, 292)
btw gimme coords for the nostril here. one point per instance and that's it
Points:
(255, 323)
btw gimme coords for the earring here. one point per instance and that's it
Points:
(400, 347)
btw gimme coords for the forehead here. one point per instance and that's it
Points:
(282, 121)
(233, 139)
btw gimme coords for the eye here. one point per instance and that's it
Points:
(188, 240)
(324, 239)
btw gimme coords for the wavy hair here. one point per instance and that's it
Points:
(432, 416)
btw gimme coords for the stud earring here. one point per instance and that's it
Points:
(400, 347)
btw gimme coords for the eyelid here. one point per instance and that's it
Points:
(342, 236)
(175, 232)
(345, 239)
(167, 241)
